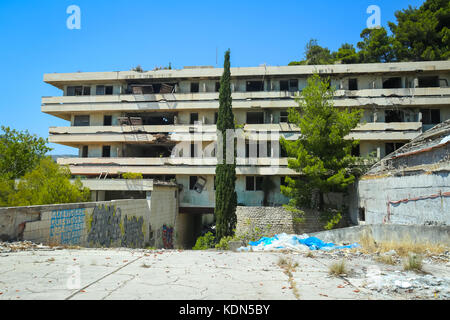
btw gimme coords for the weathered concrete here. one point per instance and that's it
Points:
(388, 232)
(126, 223)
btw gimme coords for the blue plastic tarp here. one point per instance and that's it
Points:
(284, 241)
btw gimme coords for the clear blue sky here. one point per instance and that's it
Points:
(118, 35)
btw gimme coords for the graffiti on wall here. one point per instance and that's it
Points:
(133, 235)
(105, 225)
(67, 225)
(167, 237)
(108, 228)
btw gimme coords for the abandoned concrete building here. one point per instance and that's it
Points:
(410, 185)
(129, 121)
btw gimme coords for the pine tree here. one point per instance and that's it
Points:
(226, 198)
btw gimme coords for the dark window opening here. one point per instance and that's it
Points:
(150, 118)
(193, 118)
(75, 91)
(393, 146)
(353, 84)
(431, 116)
(394, 116)
(250, 183)
(106, 151)
(214, 182)
(86, 91)
(283, 152)
(100, 90)
(107, 120)
(192, 182)
(217, 86)
(284, 115)
(81, 121)
(258, 183)
(362, 214)
(428, 82)
(282, 181)
(255, 86)
(392, 83)
(293, 85)
(284, 85)
(109, 90)
(193, 153)
(84, 152)
(216, 116)
(147, 151)
(255, 118)
(195, 87)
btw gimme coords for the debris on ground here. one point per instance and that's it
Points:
(6, 247)
(284, 241)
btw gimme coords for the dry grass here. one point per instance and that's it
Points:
(386, 259)
(337, 268)
(289, 267)
(402, 248)
(309, 254)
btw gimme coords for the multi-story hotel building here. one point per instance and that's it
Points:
(130, 121)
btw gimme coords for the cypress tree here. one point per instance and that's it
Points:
(226, 198)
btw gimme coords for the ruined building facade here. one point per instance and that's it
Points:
(131, 121)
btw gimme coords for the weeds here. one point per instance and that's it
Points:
(386, 259)
(289, 267)
(337, 268)
(413, 262)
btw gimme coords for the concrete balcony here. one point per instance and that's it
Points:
(381, 131)
(59, 106)
(175, 161)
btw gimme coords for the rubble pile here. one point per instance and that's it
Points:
(6, 247)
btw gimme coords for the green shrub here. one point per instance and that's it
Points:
(205, 242)
(132, 175)
(224, 243)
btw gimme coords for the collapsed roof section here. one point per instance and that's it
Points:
(429, 152)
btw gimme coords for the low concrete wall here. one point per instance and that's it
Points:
(387, 233)
(124, 223)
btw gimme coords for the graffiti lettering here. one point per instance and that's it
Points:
(66, 226)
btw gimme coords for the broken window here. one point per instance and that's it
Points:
(255, 118)
(394, 116)
(250, 183)
(194, 87)
(255, 86)
(362, 214)
(428, 82)
(431, 116)
(193, 118)
(284, 115)
(142, 89)
(353, 84)
(393, 146)
(109, 90)
(192, 182)
(106, 151)
(293, 85)
(86, 91)
(392, 83)
(84, 152)
(107, 120)
(75, 91)
(284, 85)
(81, 121)
(253, 183)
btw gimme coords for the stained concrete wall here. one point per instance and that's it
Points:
(423, 199)
(275, 220)
(117, 223)
(387, 233)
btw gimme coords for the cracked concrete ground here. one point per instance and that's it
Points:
(128, 274)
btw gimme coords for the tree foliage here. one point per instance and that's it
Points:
(226, 198)
(321, 154)
(419, 34)
(376, 46)
(20, 152)
(423, 33)
(48, 183)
